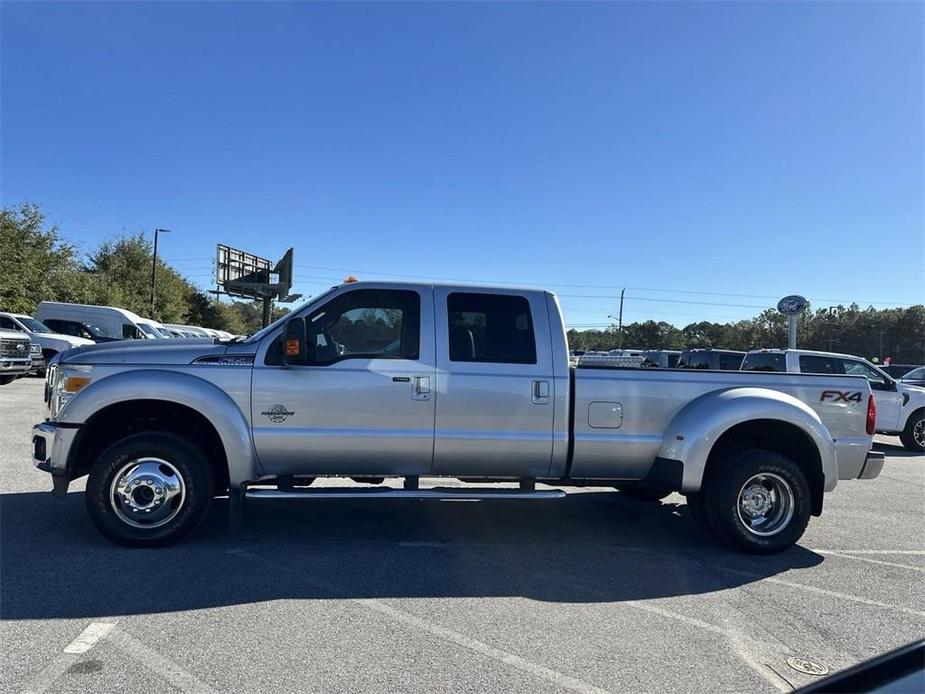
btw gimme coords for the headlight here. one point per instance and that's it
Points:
(35, 350)
(68, 380)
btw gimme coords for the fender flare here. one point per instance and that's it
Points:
(695, 429)
(184, 389)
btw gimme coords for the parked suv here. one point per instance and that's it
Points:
(900, 407)
(15, 355)
(46, 343)
(707, 358)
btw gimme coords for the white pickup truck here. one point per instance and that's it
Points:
(900, 406)
(375, 380)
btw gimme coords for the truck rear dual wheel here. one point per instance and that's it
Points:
(149, 489)
(756, 500)
(913, 436)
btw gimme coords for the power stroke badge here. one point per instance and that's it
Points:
(278, 414)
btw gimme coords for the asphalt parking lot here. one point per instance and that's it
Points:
(593, 593)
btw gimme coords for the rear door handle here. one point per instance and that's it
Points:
(540, 395)
(421, 389)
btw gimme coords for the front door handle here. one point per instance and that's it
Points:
(421, 389)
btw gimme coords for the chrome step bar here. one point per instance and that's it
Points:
(439, 493)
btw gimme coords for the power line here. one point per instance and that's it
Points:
(587, 286)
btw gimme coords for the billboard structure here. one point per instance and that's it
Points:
(248, 276)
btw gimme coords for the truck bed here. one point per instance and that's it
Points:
(623, 416)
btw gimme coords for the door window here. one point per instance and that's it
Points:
(764, 361)
(730, 361)
(366, 323)
(859, 368)
(131, 332)
(815, 364)
(699, 360)
(493, 328)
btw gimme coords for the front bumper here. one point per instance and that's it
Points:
(38, 363)
(872, 465)
(51, 444)
(10, 366)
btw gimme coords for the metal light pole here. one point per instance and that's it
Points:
(154, 266)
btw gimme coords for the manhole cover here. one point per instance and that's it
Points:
(807, 666)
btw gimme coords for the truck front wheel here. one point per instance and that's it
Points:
(757, 500)
(913, 436)
(149, 489)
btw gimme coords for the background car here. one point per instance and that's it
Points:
(708, 358)
(916, 377)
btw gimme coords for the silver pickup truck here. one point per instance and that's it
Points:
(375, 380)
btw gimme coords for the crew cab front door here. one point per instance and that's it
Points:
(363, 404)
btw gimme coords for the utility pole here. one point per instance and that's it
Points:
(267, 310)
(620, 319)
(154, 268)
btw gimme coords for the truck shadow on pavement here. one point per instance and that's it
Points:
(589, 547)
(896, 451)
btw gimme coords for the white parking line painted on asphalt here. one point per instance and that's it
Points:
(829, 593)
(88, 637)
(84, 641)
(856, 557)
(747, 648)
(553, 676)
(158, 664)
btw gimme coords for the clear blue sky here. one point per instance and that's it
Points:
(743, 149)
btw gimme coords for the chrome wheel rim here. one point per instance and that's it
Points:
(766, 504)
(918, 433)
(147, 493)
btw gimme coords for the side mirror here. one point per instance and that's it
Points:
(295, 347)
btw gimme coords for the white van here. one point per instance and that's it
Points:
(97, 323)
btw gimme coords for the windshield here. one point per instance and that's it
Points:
(148, 329)
(33, 325)
(257, 336)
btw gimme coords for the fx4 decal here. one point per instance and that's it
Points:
(841, 396)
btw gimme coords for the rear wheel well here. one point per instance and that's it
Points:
(123, 419)
(774, 435)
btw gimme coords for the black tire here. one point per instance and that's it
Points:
(185, 462)
(721, 493)
(916, 419)
(4, 380)
(645, 493)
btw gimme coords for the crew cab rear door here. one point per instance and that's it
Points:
(364, 404)
(495, 385)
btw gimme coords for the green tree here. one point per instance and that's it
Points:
(35, 265)
(122, 270)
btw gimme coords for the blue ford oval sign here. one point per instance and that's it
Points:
(792, 305)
